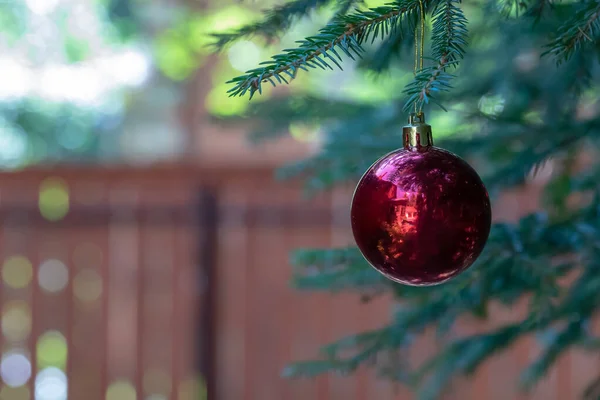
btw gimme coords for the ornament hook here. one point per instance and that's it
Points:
(417, 135)
(419, 47)
(416, 118)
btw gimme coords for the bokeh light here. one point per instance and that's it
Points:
(51, 384)
(20, 83)
(220, 20)
(180, 51)
(54, 199)
(53, 276)
(87, 285)
(133, 67)
(156, 397)
(219, 102)
(52, 350)
(175, 60)
(41, 7)
(193, 389)
(121, 390)
(13, 139)
(305, 133)
(16, 320)
(74, 139)
(16, 393)
(17, 271)
(84, 83)
(244, 55)
(157, 381)
(15, 368)
(78, 83)
(375, 3)
(491, 105)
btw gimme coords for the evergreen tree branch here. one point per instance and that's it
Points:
(510, 7)
(448, 37)
(344, 32)
(463, 356)
(346, 5)
(276, 20)
(428, 82)
(539, 7)
(339, 269)
(508, 270)
(449, 34)
(272, 117)
(583, 27)
(560, 343)
(388, 51)
(466, 354)
(518, 8)
(526, 260)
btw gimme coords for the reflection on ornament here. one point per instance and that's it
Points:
(420, 215)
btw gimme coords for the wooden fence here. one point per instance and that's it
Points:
(172, 283)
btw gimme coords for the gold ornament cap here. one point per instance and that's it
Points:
(417, 134)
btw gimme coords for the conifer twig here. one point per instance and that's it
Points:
(344, 32)
(449, 37)
(582, 27)
(276, 20)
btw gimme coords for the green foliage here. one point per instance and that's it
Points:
(13, 19)
(182, 49)
(344, 34)
(582, 27)
(515, 112)
(448, 37)
(76, 50)
(123, 18)
(275, 21)
(38, 126)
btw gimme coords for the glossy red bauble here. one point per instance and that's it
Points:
(420, 215)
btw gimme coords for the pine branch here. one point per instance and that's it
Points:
(449, 34)
(449, 37)
(274, 115)
(463, 356)
(560, 343)
(345, 32)
(466, 354)
(388, 51)
(276, 20)
(346, 5)
(507, 271)
(365, 346)
(518, 8)
(538, 8)
(583, 27)
(510, 7)
(335, 270)
(428, 82)
(529, 259)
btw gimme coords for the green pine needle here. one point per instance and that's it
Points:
(449, 39)
(513, 113)
(345, 35)
(276, 20)
(582, 28)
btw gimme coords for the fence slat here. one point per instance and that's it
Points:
(130, 318)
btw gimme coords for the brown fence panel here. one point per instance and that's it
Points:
(102, 296)
(125, 284)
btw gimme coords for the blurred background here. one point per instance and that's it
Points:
(144, 242)
(121, 198)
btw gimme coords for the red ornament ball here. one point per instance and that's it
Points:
(420, 215)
